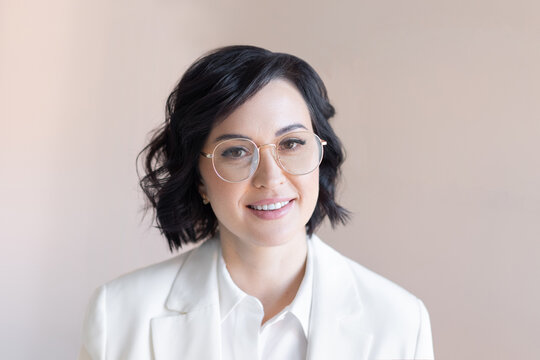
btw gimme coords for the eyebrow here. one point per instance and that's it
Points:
(288, 128)
(280, 132)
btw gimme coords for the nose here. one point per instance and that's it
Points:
(268, 174)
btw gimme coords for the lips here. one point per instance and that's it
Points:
(271, 209)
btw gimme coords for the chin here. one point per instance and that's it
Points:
(276, 238)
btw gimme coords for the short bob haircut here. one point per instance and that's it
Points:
(210, 90)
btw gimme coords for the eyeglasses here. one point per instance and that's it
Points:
(297, 153)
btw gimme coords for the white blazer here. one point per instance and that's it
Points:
(171, 311)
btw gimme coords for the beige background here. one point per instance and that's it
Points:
(438, 107)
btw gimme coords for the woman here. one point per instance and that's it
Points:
(248, 159)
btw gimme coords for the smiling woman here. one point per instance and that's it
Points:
(248, 161)
(278, 108)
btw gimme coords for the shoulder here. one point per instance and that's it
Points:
(367, 280)
(377, 289)
(146, 287)
(152, 279)
(398, 320)
(122, 309)
(380, 296)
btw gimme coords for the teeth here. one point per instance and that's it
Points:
(267, 207)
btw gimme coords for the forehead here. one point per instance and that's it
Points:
(276, 106)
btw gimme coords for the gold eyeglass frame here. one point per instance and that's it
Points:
(258, 153)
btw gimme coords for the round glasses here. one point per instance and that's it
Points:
(297, 153)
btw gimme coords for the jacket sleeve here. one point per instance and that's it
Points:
(95, 327)
(424, 342)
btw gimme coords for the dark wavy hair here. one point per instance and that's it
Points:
(211, 89)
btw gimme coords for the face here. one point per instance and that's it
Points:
(277, 109)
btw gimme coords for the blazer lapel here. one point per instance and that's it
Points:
(191, 330)
(338, 328)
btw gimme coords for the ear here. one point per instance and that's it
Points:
(202, 187)
(202, 192)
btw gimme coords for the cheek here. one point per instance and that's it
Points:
(310, 188)
(224, 197)
(315, 190)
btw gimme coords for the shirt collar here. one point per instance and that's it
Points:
(301, 305)
(230, 295)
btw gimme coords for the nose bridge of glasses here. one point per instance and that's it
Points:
(272, 147)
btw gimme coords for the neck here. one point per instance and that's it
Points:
(270, 273)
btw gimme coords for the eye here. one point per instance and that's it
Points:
(291, 144)
(235, 152)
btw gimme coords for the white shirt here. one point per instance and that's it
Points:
(283, 337)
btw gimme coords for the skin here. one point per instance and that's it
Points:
(266, 258)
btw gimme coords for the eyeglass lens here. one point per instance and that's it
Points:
(237, 159)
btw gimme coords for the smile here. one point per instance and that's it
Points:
(267, 207)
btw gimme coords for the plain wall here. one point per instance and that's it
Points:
(437, 105)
